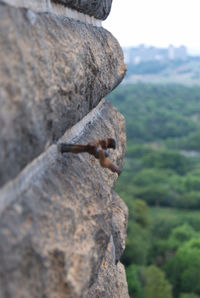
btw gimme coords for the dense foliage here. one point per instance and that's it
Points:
(159, 112)
(158, 66)
(161, 186)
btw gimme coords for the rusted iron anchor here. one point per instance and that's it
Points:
(99, 149)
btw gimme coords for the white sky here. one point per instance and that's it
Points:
(156, 22)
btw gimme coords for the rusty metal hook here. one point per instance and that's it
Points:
(98, 149)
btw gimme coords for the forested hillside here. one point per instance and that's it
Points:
(185, 71)
(161, 186)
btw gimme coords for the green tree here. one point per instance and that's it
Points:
(137, 151)
(156, 284)
(183, 269)
(187, 200)
(134, 284)
(167, 160)
(180, 235)
(188, 295)
(192, 183)
(154, 194)
(141, 212)
(137, 245)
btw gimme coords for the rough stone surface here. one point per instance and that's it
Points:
(59, 233)
(100, 9)
(111, 281)
(119, 225)
(36, 5)
(62, 228)
(53, 71)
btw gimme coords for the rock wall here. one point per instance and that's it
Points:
(62, 228)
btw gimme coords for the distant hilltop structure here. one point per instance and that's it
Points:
(136, 55)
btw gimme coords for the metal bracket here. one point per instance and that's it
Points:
(99, 149)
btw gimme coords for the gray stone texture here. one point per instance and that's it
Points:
(62, 228)
(35, 5)
(53, 71)
(99, 9)
(111, 280)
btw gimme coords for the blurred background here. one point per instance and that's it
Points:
(160, 99)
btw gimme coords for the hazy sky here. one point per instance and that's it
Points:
(155, 22)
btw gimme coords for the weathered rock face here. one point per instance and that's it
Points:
(59, 219)
(62, 228)
(50, 77)
(99, 9)
(111, 281)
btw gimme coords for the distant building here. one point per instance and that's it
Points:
(171, 52)
(177, 53)
(136, 55)
(182, 52)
